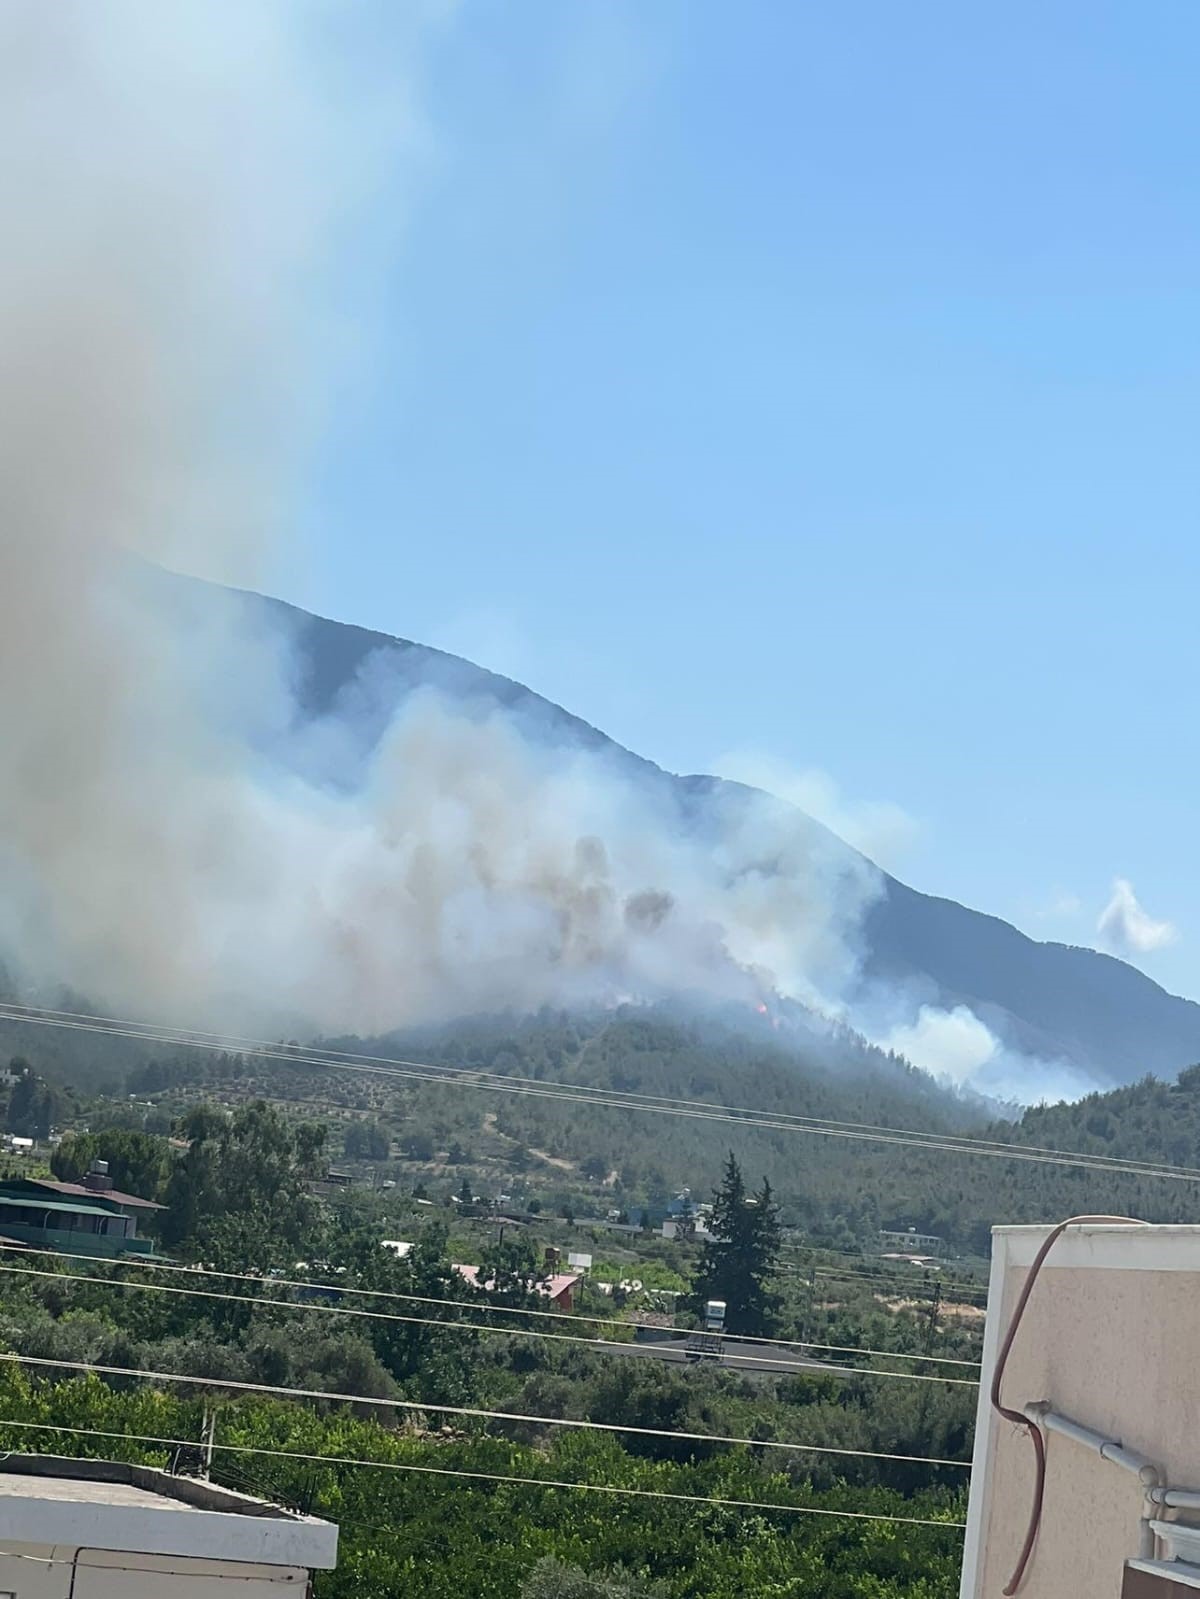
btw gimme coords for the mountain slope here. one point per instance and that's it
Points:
(1048, 1000)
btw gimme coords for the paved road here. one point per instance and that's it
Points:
(746, 1357)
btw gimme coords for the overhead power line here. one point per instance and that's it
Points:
(308, 1285)
(889, 1272)
(797, 1366)
(241, 1044)
(335, 1058)
(962, 1290)
(74, 1563)
(578, 1094)
(238, 1043)
(492, 1476)
(467, 1412)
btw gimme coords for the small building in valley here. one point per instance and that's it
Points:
(910, 1241)
(559, 1287)
(88, 1218)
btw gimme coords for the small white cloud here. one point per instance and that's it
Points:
(882, 831)
(1126, 929)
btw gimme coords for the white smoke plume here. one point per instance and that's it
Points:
(1127, 929)
(959, 1049)
(201, 201)
(181, 186)
(882, 830)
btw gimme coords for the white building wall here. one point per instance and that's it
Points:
(1110, 1339)
(107, 1574)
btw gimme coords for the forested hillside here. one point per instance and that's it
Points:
(514, 1135)
(1055, 1002)
(289, 1169)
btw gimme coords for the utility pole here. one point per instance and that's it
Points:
(935, 1306)
(208, 1438)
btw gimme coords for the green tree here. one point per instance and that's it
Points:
(419, 1146)
(33, 1106)
(739, 1261)
(512, 1269)
(137, 1162)
(240, 1193)
(367, 1140)
(550, 1579)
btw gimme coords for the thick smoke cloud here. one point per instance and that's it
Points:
(958, 1048)
(179, 180)
(883, 831)
(195, 237)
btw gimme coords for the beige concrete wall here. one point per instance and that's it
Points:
(103, 1574)
(1111, 1338)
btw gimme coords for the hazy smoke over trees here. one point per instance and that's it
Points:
(183, 185)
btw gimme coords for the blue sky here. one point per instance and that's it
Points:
(811, 389)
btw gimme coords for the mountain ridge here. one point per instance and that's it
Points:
(1058, 1003)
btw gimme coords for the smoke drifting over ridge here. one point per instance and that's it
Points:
(196, 234)
(179, 184)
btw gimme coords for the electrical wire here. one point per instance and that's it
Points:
(76, 1564)
(92, 1368)
(1018, 1417)
(472, 1077)
(845, 1282)
(240, 1044)
(655, 1432)
(441, 1324)
(473, 1413)
(976, 1291)
(889, 1273)
(580, 1094)
(453, 1304)
(493, 1476)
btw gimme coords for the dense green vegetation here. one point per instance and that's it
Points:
(404, 1532)
(495, 1180)
(240, 1195)
(582, 1156)
(590, 1159)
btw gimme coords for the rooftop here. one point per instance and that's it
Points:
(80, 1190)
(73, 1207)
(109, 1505)
(551, 1287)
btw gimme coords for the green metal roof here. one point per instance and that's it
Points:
(28, 1201)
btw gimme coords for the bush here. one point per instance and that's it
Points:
(550, 1579)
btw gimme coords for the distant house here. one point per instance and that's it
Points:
(88, 1218)
(399, 1247)
(911, 1242)
(559, 1288)
(688, 1229)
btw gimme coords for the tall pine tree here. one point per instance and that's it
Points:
(739, 1261)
